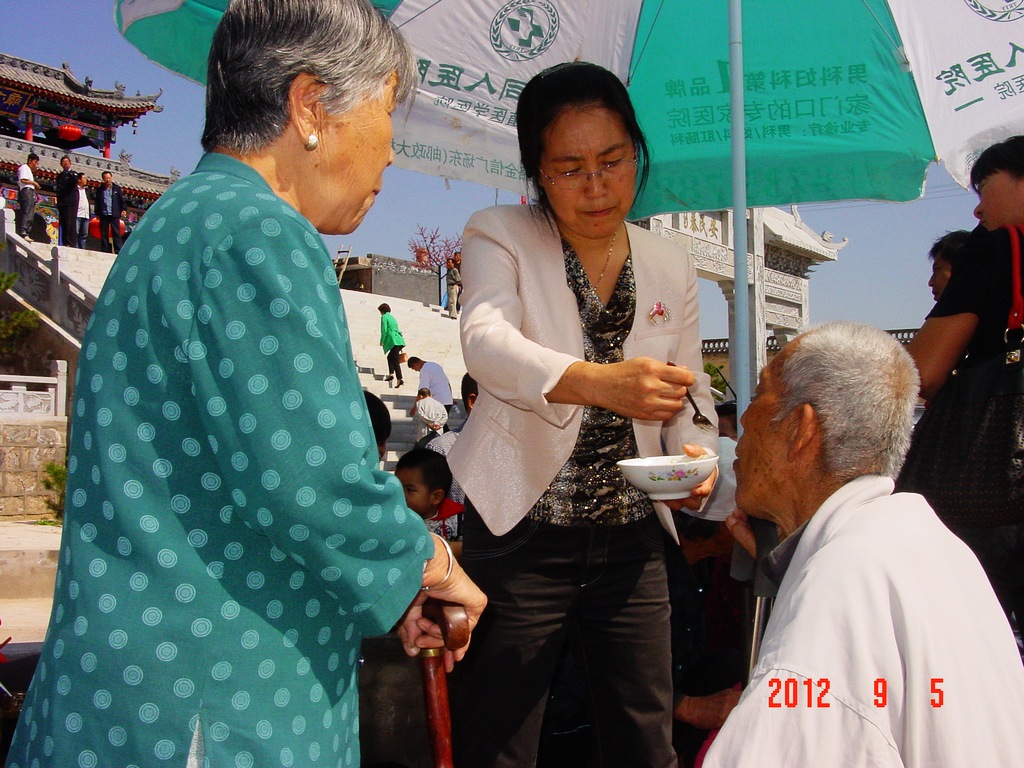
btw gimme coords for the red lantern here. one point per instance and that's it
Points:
(94, 227)
(69, 132)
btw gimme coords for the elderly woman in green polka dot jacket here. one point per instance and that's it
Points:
(228, 537)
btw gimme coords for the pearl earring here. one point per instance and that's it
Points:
(312, 142)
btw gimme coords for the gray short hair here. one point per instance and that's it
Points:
(260, 46)
(863, 386)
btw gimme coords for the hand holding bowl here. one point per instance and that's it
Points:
(668, 477)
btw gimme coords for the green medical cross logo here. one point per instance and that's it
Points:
(526, 20)
(524, 29)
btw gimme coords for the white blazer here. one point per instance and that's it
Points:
(521, 330)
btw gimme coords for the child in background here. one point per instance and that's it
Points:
(426, 478)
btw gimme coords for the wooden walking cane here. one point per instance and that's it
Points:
(454, 624)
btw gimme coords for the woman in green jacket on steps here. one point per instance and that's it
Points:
(393, 343)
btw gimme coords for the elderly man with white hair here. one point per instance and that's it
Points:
(886, 645)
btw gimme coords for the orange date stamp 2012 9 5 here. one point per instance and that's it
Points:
(791, 693)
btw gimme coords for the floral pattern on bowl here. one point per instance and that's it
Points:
(678, 474)
(668, 477)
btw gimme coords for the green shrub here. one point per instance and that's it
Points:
(56, 480)
(717, 381)
(14, 326)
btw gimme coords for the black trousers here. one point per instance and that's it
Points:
(24, 216)
(602, 588)
(68, 226)
(110, 228)
(394, 367)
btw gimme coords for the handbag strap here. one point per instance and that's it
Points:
(1016, 316)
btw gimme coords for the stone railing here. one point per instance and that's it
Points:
(17, 399)
(33, 433)
(721, 346)
(40, 282)
(714, 347)
(904, 335)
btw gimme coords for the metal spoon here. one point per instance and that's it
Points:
(699, 419)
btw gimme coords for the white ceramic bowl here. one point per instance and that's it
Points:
(668, 477)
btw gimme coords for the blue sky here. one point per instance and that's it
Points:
(880, 277)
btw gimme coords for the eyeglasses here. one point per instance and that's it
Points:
(616, 169)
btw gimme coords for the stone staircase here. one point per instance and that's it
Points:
(88, 268)
(429, 335)
(75, 277)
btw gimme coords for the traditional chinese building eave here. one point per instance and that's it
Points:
(47, 111)
(790, 231)
(61, 85)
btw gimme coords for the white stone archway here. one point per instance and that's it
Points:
(783, 252)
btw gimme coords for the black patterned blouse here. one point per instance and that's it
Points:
(590, 489)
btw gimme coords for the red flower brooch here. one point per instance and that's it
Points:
(659, 313)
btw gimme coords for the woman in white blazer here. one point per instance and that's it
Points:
(572, 321)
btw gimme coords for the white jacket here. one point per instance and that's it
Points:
(879, 589)
(521, 330)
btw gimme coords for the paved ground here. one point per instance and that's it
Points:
(27, 534)
(25, 620)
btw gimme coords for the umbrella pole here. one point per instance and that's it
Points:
(740, 347)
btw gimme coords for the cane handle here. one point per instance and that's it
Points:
(451, 618)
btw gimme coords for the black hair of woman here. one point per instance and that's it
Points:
(563, 86)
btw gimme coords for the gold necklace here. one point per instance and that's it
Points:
(607, 259)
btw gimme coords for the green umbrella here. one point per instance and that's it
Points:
(841, 100)
(846, 99)
(174, 33)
